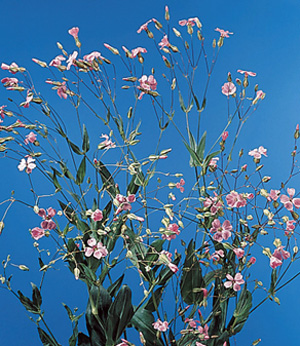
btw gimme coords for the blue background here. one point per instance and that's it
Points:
(266, 40)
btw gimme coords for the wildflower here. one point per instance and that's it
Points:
(239, 252)
(235, 282)
(191, 22)
(147, 84)
(37, 233)
(224, 136)
(28, 164)
(92, 56)
(235, 200)
(48, 223)
(224, 33)
(171, 232)
(144, 27)
(137, 51)
(203, 332)
(29, 98)
(12, 68)
(180, 185)
(30, 138)
(95, 249)
(217, 255)
(107, 143)
(213, 162)
(97, 215)
(164, 42)
(247, 73)
(213, 203)
(278, 256)
(289, 201)
(228, 89)
(72, 59)
(161, 326)
(221, 232)
(289, 227)
(257, 153)
(252, 260)
(260, 95)
(62, 91)
(273, 195)
(74, 32)
(123, 203)
(57, 61)
(2, 113)
(10, 83)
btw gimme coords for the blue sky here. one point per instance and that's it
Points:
(266, 40)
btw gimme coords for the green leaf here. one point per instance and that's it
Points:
(83, 340)
(119, 315)
(211, 276)
(107, 179)
(81, 172)
(194, 157)
(115, 286)
(74, 336)
(153, 302)
(45, 338)
(181, 102)
(274, 276)
(89, 274)
(201, 146)
(190, 106)
(86, 141)
(75, 148)
(28, 304)
(191, 277)
(36, 296)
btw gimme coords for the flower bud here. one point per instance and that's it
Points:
(76, 273)
(23, 267)
(214, 43)
(176, 32)
(167, 13)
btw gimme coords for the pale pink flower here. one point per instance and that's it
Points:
(97, 215)
(37, 233)
(29, 98)
(214, 203)
(2, 113)
(247, 73)
(235, 282)
(235, 200)
(28, 164)
(217, 255)
(213, 162)
(190, 21)
(48, 223)
(10, 83)
(147, 83)
(203, 332)
(252, 260)
(74, 32)
(289, 201)
(257, 153)
(221, 232)
(161, 326)
(57, 61)
(164, 42)
(30, 138)
(171, 232)
(62, 91)
(191, 322)
(289, 227)
(173, 267)
(224, 135)
(228, 89)
(12, 68)
(107, 143)
(144, 27)
(239, 252)
(273, 195)
(180, 185)
(124, 203)
(92, 56)
(72, 59)
(95, 249)
(278, 256)
(137, 51)
(224, 33)
(244, 168)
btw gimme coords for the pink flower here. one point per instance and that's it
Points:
(37, 233)
(124, 203)
(191, 22)
(107, 144)
(10, 82)
(92, 56)
(252, 260)
(235, 282)
(239, 252)
(2, 113)
(247, 73)
(62, 91)
(164, 42)
(29, 98)
(137, 51)
(161, 326)
(173, 267)
(57, 61)
(74, 32)
(256, 153)
(224, 135)
(97, 215)
(30, 138)
(213, 162)
(273, 195)
(213, 203)
(289, 201)
(48, 223)
(203, 332)
(228, 89)
(95, 249)
(235, 200)
(224, 33)
(221, 232)
(144, 27)
(191, 322)
(12, 68)
(147, 83)
(278, 256)
(244, 168)
(216, 255)
(180, 185)
(289, 227)
(28, 164)
(171, 232)
(72, 59)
